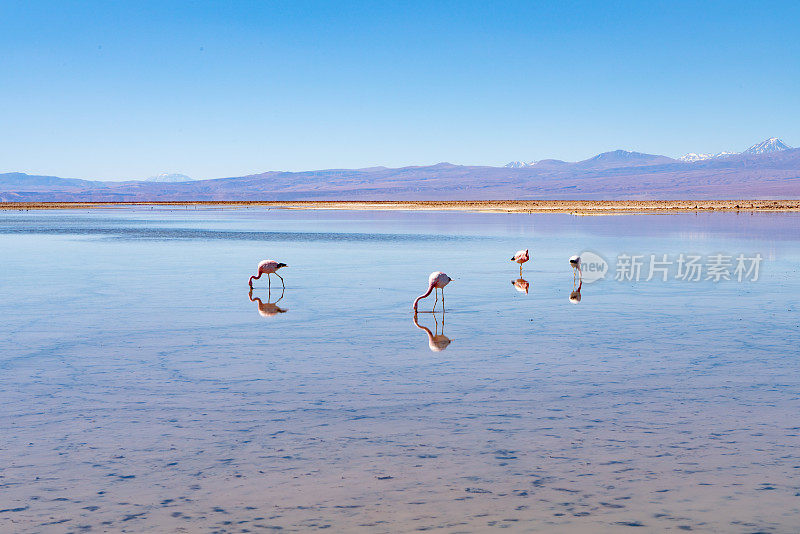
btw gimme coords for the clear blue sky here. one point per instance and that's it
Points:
(121, 90)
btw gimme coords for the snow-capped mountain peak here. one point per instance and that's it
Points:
(773, 144)
(691, 157)
(519, 164)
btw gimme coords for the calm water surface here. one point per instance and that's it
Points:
(143, 389)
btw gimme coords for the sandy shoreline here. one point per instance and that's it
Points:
(587, 207)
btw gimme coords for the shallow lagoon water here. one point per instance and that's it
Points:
(142, 390)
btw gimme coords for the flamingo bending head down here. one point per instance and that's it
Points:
(268, 267)
(437, 280)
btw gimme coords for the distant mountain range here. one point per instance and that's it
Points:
(613, 158)
(773, 144)
(170, 178)
(766, 170)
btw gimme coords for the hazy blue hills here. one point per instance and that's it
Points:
(622, 158)
(20, 179)
(767, 171)
(170, 178)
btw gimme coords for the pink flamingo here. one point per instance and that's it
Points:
(521, 257)
(437, 280)
(268, 267)
(575, 262)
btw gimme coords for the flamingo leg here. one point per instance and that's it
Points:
(269, 282)
(436, 292)
(442, 303)
(520, 270)
(279, 276)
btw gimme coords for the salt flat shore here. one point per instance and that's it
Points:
(586, 207)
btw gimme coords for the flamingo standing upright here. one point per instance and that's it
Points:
(268, 267)
(521, 257)
(575, 262)
(437, 280)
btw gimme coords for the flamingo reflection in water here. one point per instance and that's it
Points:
(575, 296)
(267, 309)
(436, 342)
(521, 285)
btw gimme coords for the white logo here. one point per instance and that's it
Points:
(593, 267)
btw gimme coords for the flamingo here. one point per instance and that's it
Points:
(437, 280)
(575, 262)
(268, 267)
(521, 257)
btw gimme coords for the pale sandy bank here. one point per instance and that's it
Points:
(587, 207)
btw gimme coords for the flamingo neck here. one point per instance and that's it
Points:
(430, 288)
(254, 278)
